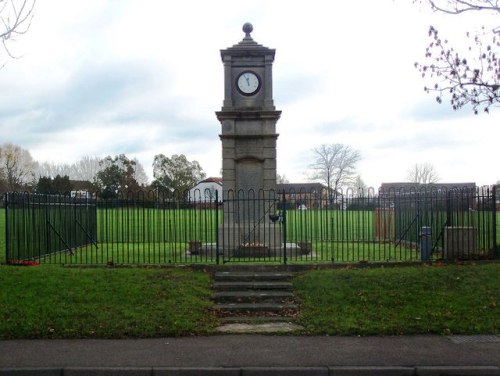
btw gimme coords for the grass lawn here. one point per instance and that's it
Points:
(451, 299)
(50, 301)
(56, 302)
(153, 236)
(2, 236)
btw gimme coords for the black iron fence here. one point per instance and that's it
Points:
(41, 225)
(272, 227)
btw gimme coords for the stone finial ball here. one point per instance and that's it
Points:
(247, 28)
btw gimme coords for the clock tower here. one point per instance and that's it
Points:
(248, 117)
(248, 134)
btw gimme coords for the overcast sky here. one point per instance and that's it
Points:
(98, 78)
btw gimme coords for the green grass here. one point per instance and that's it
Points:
(418, 300)
(3, 244)
(56, 302)
(127, 225)
(131, 254)
(152, 236)
(175, 253)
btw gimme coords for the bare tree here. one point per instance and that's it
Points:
(281, 179)
(51, 170)
(140, 174)
(471, 76)
(17, 167)
(86, 168)
(335, 165)
(423, 173)
(358, 186)
(15, 19)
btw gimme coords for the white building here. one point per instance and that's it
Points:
(207, 191)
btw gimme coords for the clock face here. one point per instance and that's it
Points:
(248, 83)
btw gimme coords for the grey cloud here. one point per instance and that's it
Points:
(290, 89)
(90, 92)
(422, 140)
(430, 110)
(344, 125)
(124, 94)
(98, 89)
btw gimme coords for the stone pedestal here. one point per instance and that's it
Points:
(460, 242)
(250, 239)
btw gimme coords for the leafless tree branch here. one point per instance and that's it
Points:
(462, 6)
(423, 174)
(470, 77)
(335, 165)
(15, 19)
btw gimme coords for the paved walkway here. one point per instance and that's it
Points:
(255, 355)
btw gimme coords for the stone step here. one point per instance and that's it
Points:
(255, 307)
(242, 286)
(256, 328)
(257, 319)
(252, 276)
(252, 296)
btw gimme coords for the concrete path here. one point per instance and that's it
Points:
(406, 355)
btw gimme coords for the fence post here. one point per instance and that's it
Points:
(425, 243)
(283, 221)
(496, 246)
(217, 227)
(7, 229)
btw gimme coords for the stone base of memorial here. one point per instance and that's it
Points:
(249, 239)
(252, 251)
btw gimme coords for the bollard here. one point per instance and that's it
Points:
(425, 243)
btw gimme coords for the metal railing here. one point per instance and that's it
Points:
(152, 227)
(41, 225)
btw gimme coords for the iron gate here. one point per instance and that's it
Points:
(252, 228)
(41, 225)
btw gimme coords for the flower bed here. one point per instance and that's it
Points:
(24, 262)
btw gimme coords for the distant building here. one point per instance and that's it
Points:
(440, 187)
(81, 194)
(207, 191)
(391, 193)
(305, 195)
(298, 195)
(81, 189)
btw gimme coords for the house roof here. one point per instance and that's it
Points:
(217, 180)
(300, 187)
(409, 185)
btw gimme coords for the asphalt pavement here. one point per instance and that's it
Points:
(255, 355)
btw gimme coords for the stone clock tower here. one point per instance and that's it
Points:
(248, 119)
